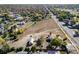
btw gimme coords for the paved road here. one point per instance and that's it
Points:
(69, 32)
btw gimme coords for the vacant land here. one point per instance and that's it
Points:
(41, 27)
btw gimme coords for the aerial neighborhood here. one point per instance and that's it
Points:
(39, 29)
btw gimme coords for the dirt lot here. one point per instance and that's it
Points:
(42, 28)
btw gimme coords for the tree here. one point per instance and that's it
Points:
(4, 35)
(39, 41)
(12, 36)
(5, 49)
(56, 42)
(61, 15)
(2, 40)
(19, 49)
(33, 49)
(12, 49)
(28, 50)
(20, 31)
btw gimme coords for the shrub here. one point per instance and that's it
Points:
(33, 49)
(19, 49)
(1, 51)
(65, 39)
(38, 43)
(49, 47)
(12, 49)
(62, 52)
(64, 43)
(27, 49)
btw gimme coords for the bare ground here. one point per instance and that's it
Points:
(41, 26)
